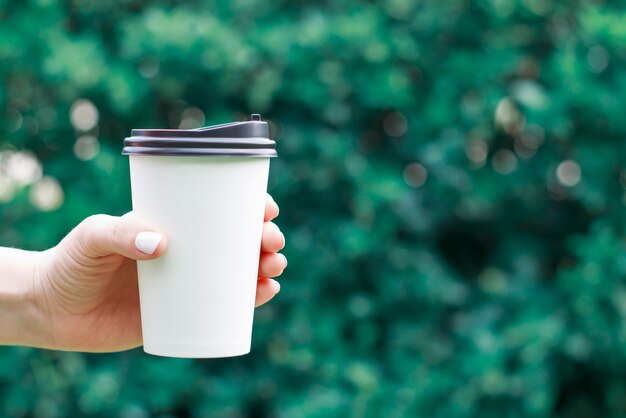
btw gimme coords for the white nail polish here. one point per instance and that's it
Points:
(147, 242)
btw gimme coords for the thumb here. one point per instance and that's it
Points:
(102, 235)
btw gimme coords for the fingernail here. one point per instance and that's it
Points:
(275, 286)
(147, 242)
(284, 258)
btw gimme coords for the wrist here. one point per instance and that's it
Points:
(21, 319)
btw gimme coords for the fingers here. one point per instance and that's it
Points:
(272, 265)
(272, 239)
(271, 208)
(101, 235)
(266, 289)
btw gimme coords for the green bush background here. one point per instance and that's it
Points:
(443, 262)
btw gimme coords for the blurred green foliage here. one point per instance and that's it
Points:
(451, 181)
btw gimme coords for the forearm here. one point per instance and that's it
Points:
(19, 317)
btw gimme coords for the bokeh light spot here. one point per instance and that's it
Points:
(415, 175)
(395, 124)
(504, 161)
(149, 68)
(47, 194)
(508, 117)
(23, 167)
(598, 58)
(86, 147)
(476, 151)
(191, 118)
(7, 188)
(84, 115)
(568, 173)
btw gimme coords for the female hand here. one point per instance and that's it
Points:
(86, 291)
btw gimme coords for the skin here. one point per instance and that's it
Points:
(82, 295)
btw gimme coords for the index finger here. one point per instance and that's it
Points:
(271, 208)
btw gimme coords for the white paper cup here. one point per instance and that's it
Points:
(197, 299)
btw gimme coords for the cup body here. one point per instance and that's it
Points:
(197, 299)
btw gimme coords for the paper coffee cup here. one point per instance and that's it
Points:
(205, 189)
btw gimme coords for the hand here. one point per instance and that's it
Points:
(86, 287)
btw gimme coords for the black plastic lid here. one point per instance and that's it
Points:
(245, 139)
